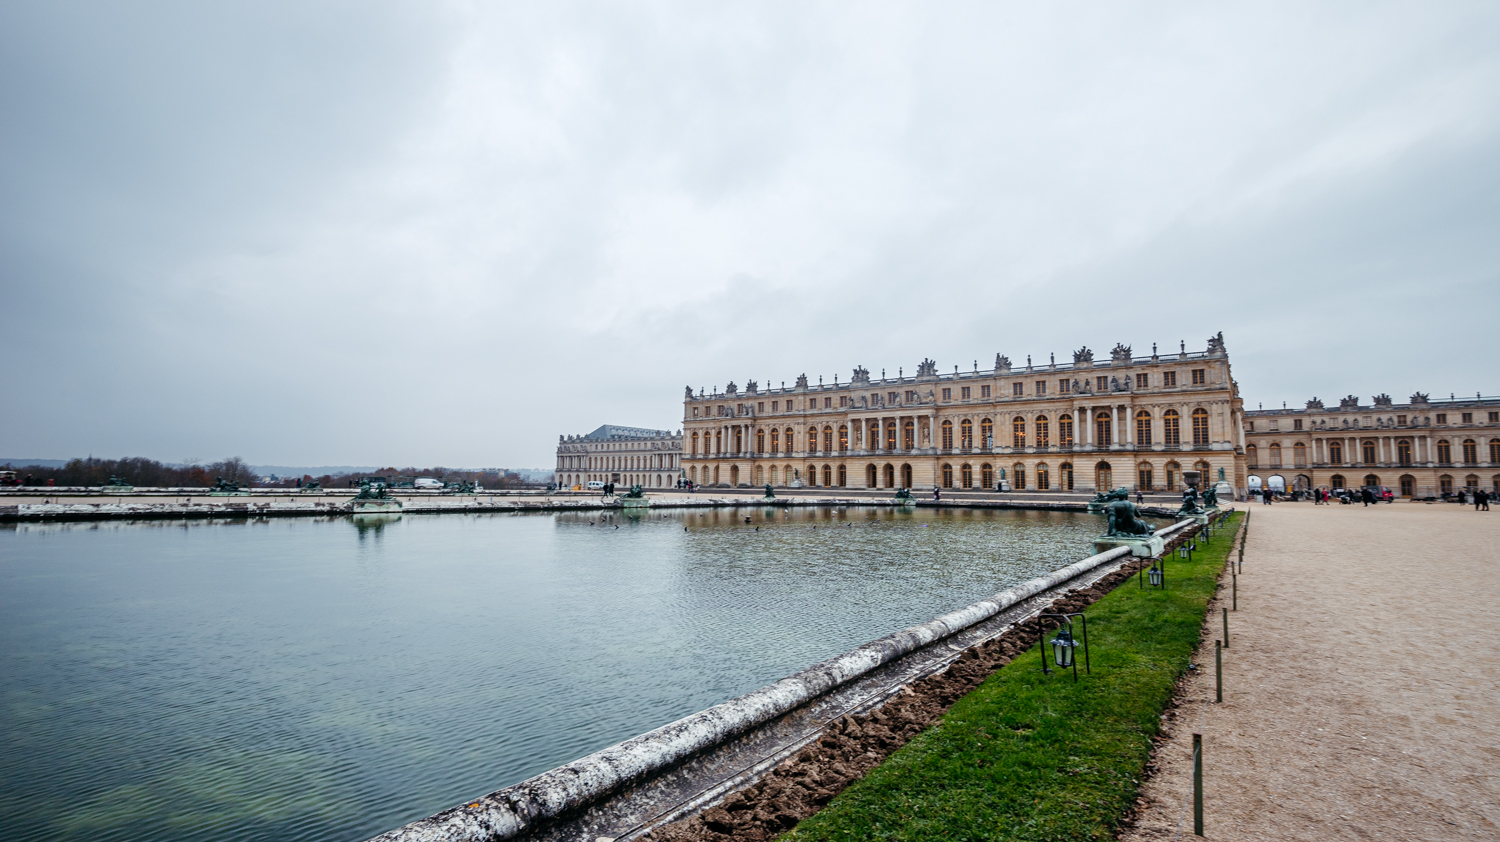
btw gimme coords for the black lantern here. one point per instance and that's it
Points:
(1064, 644)
(1157, 576)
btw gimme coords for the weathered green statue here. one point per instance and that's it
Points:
(1210, 497)
(1190, 502)
(636, 492)
(372, 491)
(1123, 520)
(117, 482)
(903, 494)
(770, 495)
(223, 485)
(1103, 497)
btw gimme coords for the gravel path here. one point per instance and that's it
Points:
(1361, 686)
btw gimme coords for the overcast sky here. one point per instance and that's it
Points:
(427, 233)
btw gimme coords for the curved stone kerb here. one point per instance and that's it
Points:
(509, 812)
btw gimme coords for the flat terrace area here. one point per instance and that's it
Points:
(1360, 686)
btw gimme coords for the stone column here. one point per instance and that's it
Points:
(1129, 427)
(1081, 425)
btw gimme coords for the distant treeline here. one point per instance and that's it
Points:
(150, 473)
(135, 470)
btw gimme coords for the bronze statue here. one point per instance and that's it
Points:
(1210, 498)
(903, 495)
(1190, 502)
(770, 495)
(372, 491)
(1103, 497)
(1123, 521)
(636, 492)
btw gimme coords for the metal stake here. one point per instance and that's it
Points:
(1226, 627)
(1234, 583)
(1197, 784)
(1219, 671)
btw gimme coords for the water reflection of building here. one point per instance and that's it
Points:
(622, 455)
(1422, 448)
(1131, 421)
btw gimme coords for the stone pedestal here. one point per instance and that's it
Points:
(1143, 546)
(635, 502)
(1224, 490)
(372, 507)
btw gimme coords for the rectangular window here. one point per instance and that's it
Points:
(1017, 389)
(1169, 378)
(1468, 417)
(911, 397)
(695, 412)
(1494, 417)
(984, 392)
(843, 400)
(1274, 424)
(1296, 423)
(1401, 420)
(1442, 418)
(895, 397)
(1199, 377)
(828, 403)
(1041, 387)
(1142, 381)
(775, 406)
(1064, 386)
(1101, 384)
(760, 406)
(947, 394)
(964, 392)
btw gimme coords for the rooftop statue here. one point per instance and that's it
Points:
(1121, 353)
(1216, 343)
(1123, 520)
(1314, 405)
(927, 368)
(688, 393)
(861, 375)
(1083, 356)
(1002, 362)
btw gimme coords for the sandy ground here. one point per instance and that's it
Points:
(1361, 686)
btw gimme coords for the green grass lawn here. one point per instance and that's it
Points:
(1030, 757)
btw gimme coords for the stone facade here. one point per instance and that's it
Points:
(623, 455)
(1125, 421)
(1421, 448)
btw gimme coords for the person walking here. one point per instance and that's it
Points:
(1366, 496)
(1140, 497)
(937, 493)
(1481, 500)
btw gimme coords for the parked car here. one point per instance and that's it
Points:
(596, 485)
(1383, 494)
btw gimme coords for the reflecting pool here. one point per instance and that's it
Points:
(331, 679)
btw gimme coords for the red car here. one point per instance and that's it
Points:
(1383, 494)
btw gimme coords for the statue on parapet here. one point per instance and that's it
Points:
(770, 495)
(903, 495)
(372, 491)
(1190, 502)
(1124, 520)
(1107, 497)
(636, 492)
(1210, 497)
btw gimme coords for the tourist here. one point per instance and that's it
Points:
(937, 493)
(1481, 500)
(1366, 496)
(1140, 497)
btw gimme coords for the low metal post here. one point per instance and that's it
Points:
(1219, 672)
(1197, 784)
(1226, 627)
(1234, 589)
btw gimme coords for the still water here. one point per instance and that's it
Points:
(300, 679)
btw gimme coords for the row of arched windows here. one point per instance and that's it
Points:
(1370, 453)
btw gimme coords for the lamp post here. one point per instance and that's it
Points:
(1064, 643)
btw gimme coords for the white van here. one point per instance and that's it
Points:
(427, 482)
(595, 485)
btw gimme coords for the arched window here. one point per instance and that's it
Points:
(890, 476)
(812, 439)
(1103, 477)
(1143, 477)
(1202, 468)
(986, 434)
(1336, 455)
(1372, 481)
(1018, 432)
(1173, 472)
(843, 438)
(874, 443)
(1018, 477)
(1471, 452)
(1041, 430)
(773, 474)
(1043, 478)
(1445, 453)
(1299, 455)
(1143, 428)
(890, 435)
(718, 444)
(1445, 484)
(1495, 451)
(739, 439)
(947, 437)
(759, 473)
(828, 439)
(1065, 476)
(695, 444)
(1171, 428)
(775, 440)
(966, 435)
(1252, 456)
(966, 475)
(1200, 426)
(1408, 485)
(947, 475)
(1065, 430)
(987, 475)
(909, 433)
(1275, 455)
(1336, 481)
(788, 474)
(760, 442)
(906, 476)
(1367, 453)
(871, 479)
(843, 477)
(1103, 429)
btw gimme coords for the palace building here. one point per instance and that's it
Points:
(621, 455)
(1127, 421)
(1422, 448)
